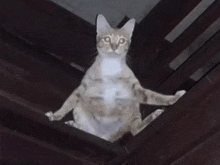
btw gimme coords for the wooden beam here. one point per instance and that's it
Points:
(160, 67)
(197, 60)
(26, 70)
(189, 35)
(50, 28)
(186, 124)
(148, 38)
(205, 153)
(20, 149)
(164, 17)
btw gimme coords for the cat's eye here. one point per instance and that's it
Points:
(121, 41)
(107, 39)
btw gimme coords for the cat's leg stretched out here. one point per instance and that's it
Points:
(68, 105)
(146, 96)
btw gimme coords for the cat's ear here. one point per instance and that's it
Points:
(129, 27)
(102, 24)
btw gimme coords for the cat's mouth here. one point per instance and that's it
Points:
(111, 54)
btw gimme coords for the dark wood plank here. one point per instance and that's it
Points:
(160, 67)
(186, 124)
(164, 17)
(51, 28)
(197, 60)
(190, 34)
(150, 33)
(19, 149)
(142, 52)
(35, 75)
(207, 153)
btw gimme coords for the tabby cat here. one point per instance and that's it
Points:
(106, 103)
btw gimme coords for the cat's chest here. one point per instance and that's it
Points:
(109, 90)
(110, 67)
(111, 81)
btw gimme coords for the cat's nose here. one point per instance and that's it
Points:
(114, 46)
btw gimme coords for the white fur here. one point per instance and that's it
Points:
(111, 90)
(110, 67)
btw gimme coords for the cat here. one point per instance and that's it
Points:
(106, 104)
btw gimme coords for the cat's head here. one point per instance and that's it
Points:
(113, 42)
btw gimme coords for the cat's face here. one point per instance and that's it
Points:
(113, 42)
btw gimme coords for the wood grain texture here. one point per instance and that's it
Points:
(160, 67)
(51, 28)
(34, 75)
(197, 60)
(20, 149)
(150, 33)
(206, 153)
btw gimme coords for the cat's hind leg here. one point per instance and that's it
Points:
(71, 123)
(82, 120)
(58, 115)
(138, 125)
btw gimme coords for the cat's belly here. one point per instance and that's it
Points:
(91, 121)
(114, 91)
(109, 92)
(99, 108)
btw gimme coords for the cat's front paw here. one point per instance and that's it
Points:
(158, 112)
(177, 96)
(52, 116)
(180, 93)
